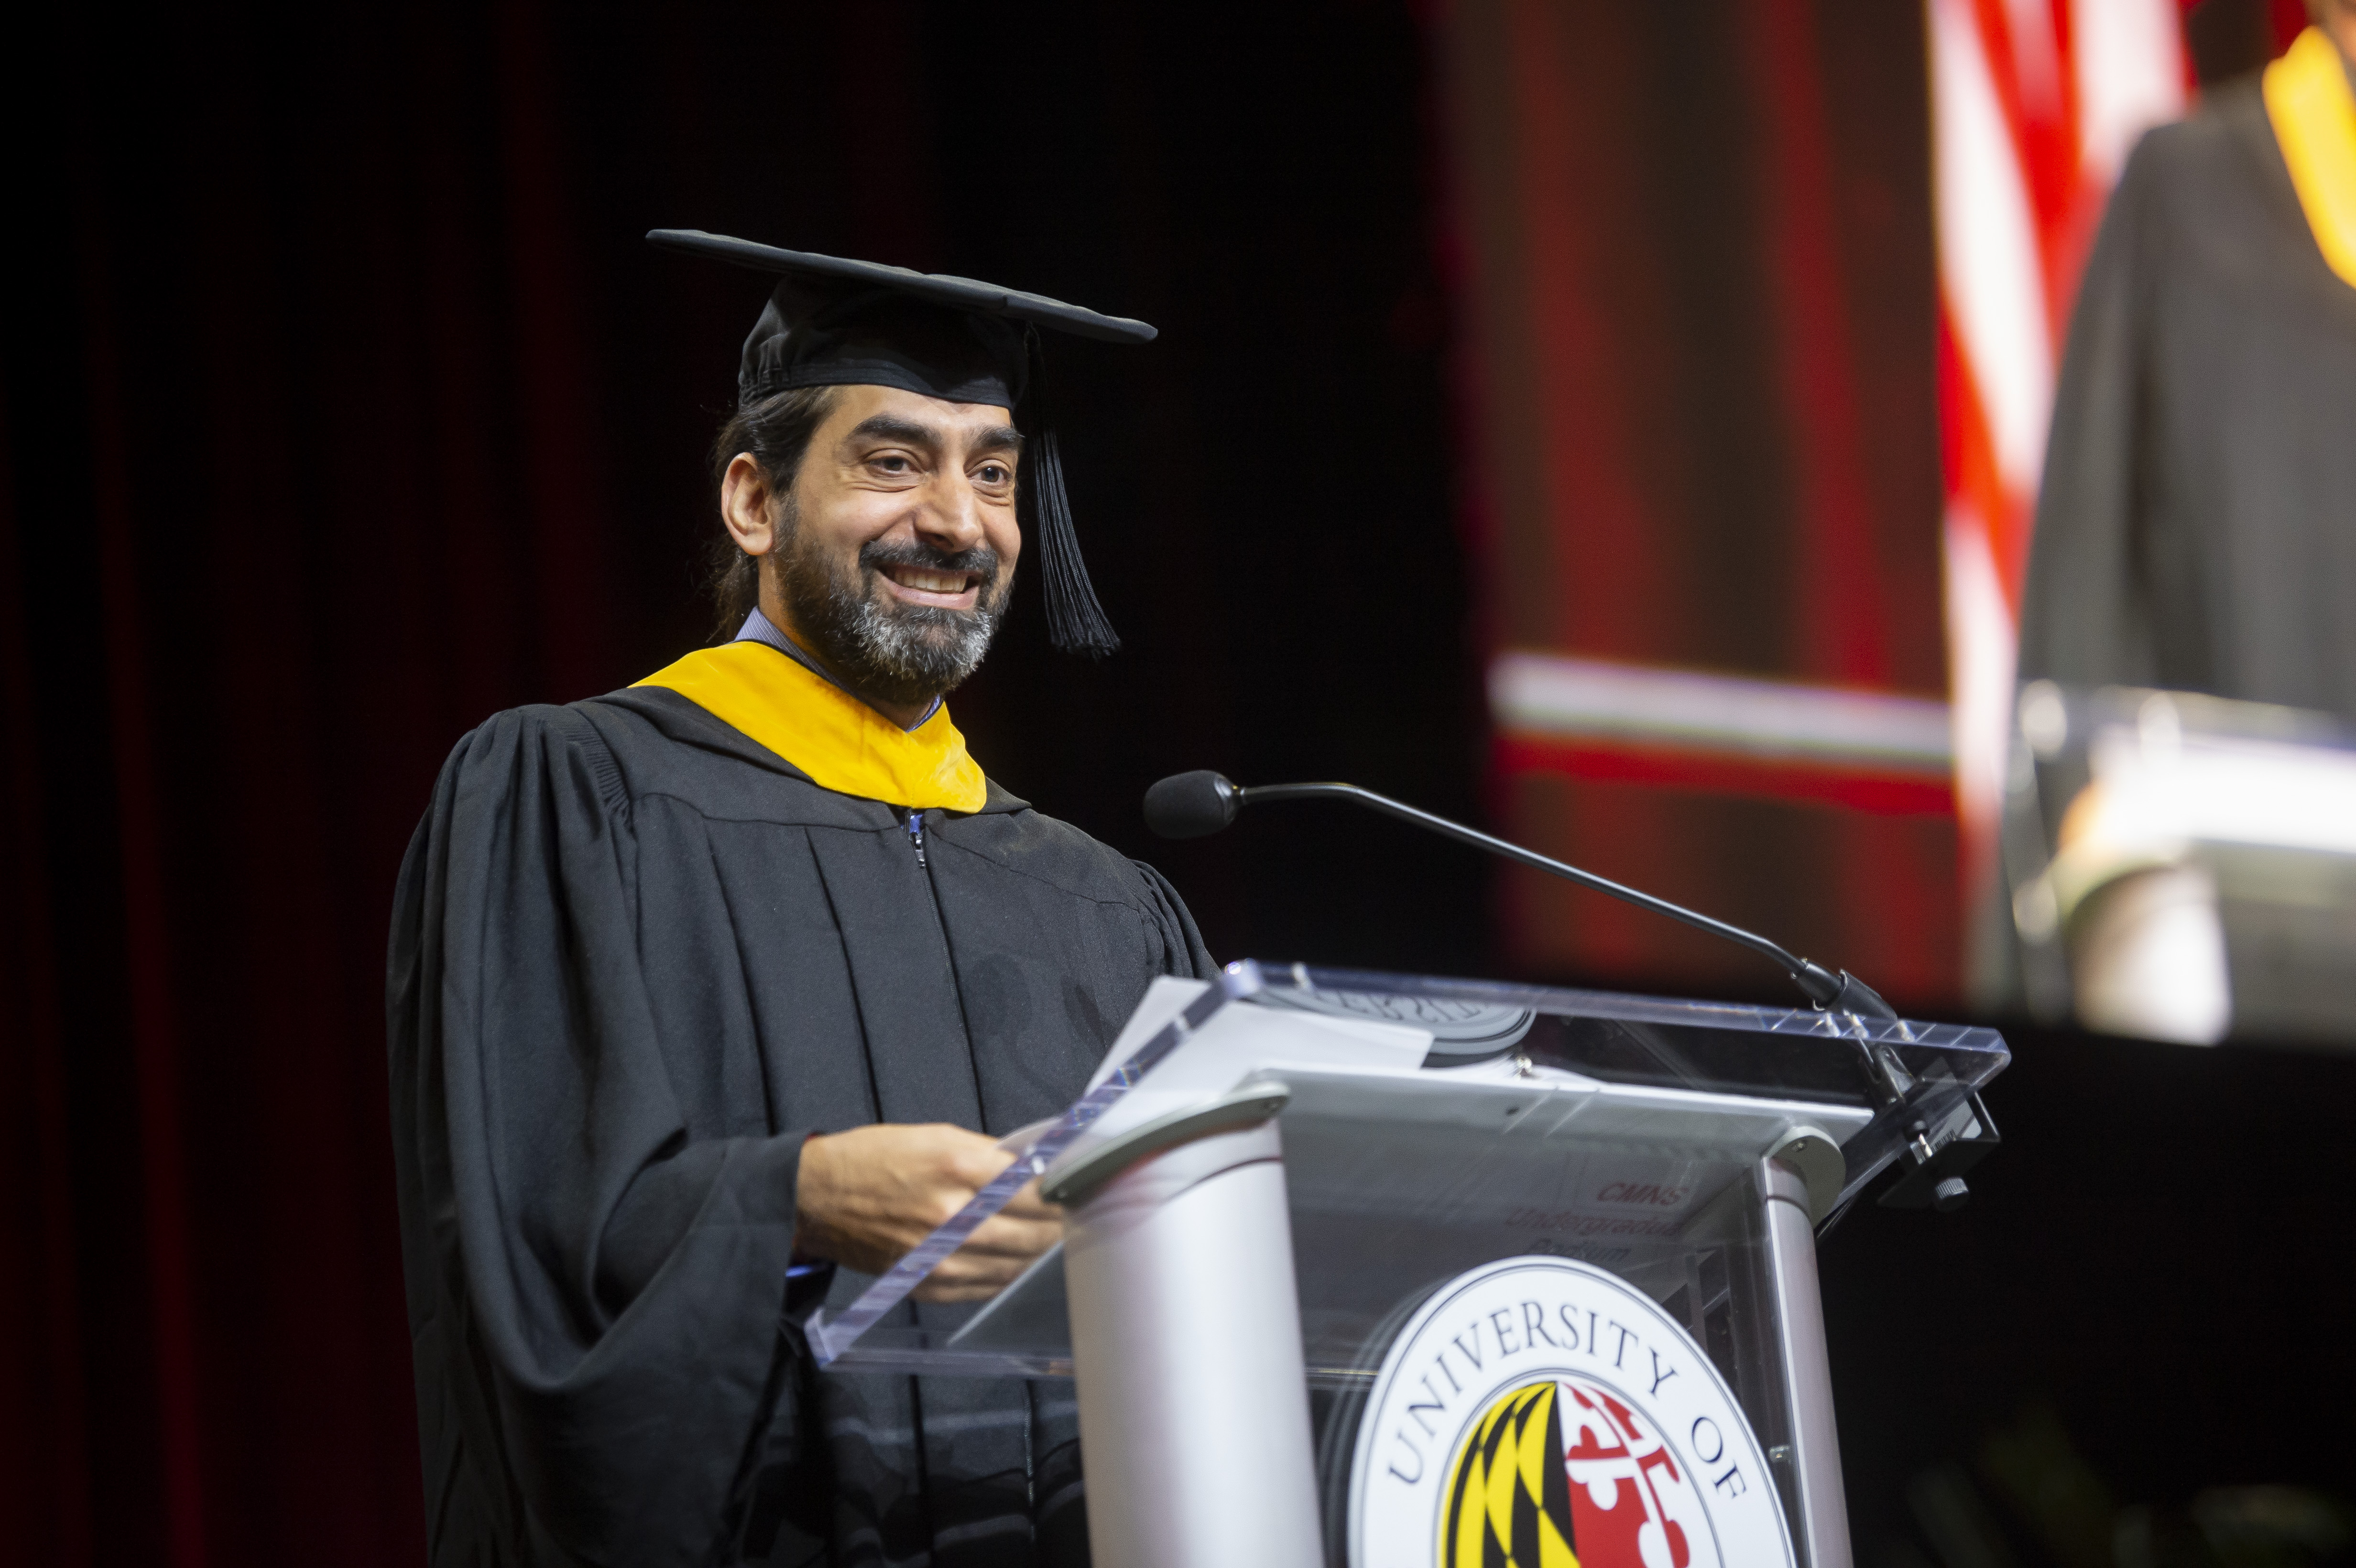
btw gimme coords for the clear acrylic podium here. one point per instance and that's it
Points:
(1273, 1173)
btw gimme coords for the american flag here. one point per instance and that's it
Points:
(2036, 104)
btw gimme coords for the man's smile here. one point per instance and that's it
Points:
(924, 585)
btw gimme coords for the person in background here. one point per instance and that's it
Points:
(2196, 527)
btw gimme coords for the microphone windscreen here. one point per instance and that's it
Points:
(1189, 805)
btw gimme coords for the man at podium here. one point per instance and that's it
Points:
(709, 996)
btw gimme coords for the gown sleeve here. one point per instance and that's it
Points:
(1184, 954)
(592, 1294)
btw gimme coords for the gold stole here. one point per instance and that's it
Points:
(2314, 117)
(840, 741)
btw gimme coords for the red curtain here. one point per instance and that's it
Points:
(344, 405)
(302, 480)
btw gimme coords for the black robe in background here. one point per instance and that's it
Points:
(636, 959)
(2196, 525)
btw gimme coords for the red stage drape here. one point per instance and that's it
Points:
(344, 406)
(302, 482)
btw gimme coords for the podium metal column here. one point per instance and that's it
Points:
(1790, 1245)
(1186, 1340)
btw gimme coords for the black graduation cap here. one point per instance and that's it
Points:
(831, 322)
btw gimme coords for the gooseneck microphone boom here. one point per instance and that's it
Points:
(1195, 804)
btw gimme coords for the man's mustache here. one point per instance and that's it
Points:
(981, 560)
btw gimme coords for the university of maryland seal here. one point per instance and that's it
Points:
(1540, 1412)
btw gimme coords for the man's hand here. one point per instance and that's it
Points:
(863, 1197)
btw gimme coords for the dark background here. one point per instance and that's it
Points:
(1704, 435)
(344, 406)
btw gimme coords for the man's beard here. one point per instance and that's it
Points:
(905, 655)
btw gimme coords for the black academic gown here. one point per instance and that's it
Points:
(635, 960)
(2195, 529)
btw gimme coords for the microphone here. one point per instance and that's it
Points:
(1197, 804)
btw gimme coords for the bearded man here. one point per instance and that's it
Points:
(708, 998)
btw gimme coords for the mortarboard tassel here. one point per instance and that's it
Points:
(1075, 620)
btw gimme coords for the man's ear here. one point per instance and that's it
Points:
(748, 504)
